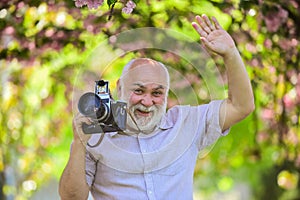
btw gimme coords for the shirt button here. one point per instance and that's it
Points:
(150, 192)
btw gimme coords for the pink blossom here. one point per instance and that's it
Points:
(287, 44)
(288, 101)
(274, 19)
(268, 43)
(267, 114)
(127, 10)
(262, 137)
(9, 30)
(80, 3)
(130, 5)
(92, 4)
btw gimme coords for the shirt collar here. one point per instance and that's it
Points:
(163, 125)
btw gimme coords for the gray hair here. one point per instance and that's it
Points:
(128, 65)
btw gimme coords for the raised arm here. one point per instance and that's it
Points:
(72, 185)
(240, 101)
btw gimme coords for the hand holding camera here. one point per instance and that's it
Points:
(79, 135)
(106, 114)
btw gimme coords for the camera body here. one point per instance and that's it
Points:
(107, 115)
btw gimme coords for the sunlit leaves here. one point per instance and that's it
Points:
(35, 19)
(288, 180)
(225, 184)
(34, 110)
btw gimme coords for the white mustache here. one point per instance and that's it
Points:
(144, 108)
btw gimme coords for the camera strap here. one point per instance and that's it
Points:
(130, 115)
(98, 143)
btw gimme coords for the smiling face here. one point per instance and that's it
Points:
(144, 86)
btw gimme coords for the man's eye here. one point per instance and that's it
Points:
(157, 93)
(138, 91)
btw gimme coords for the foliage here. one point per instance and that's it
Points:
(44, 44)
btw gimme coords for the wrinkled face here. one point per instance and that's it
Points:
(144, 86)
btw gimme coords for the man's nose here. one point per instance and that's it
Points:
(147, 100)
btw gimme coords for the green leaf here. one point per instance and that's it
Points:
(111, 2)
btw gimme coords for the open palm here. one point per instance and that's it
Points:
(213, 36)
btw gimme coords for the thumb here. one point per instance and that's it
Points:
(206, 43)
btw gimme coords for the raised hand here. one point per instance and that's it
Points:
(213, 36)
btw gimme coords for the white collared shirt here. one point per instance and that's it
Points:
(159, 165)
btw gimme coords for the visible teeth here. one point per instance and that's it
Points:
(145, 110)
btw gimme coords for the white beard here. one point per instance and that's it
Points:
(145, 124)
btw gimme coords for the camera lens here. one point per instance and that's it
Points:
(102, 112)
(88, 103)
(92, 106)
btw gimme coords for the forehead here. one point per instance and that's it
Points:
(151, 86)
(143, 72)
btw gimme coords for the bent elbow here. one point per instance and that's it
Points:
(251, 107)
(71, 193)
(73, 196)
(247, 109)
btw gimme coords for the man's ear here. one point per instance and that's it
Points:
(118, 88)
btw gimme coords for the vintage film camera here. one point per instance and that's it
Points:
(107, 115)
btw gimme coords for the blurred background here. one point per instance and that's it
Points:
(44, 46)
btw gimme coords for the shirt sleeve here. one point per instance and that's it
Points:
(90, 168)
(213, 129)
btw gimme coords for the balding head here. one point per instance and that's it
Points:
(147, 71)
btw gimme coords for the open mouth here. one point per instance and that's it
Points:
(144, 113)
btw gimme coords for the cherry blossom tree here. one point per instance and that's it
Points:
(44, 44)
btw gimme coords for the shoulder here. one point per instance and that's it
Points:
(187, 111)
(182, 113)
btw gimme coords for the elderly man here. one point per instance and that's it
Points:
(154, 158)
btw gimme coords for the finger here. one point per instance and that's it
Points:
(78, 133)
(78, 121)
(208, 23)
(79, 118)
(217, 25)
(203, 24)
(206, 43)
(199, 29)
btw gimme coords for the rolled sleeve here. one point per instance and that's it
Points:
(213, 130)
(213, 118)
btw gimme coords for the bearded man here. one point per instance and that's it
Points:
(154, 158)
